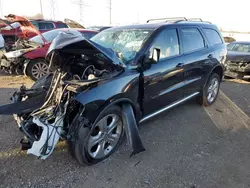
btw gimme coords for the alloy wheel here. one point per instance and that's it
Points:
(105, 136)
(39, 70)
(213, 90)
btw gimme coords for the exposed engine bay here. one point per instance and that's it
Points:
(44, 112)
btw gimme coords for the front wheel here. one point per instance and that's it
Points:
(36, 69)
(210, 91)
(92, 145)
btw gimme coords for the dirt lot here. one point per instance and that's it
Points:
(186, 147)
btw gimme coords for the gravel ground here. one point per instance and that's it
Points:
(184, 149)
(239, 93)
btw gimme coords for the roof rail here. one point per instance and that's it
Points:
(195, 20)
(178, 19)
(168, 19)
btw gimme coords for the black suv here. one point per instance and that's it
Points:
(102, 88)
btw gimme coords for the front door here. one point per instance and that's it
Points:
(163, 80)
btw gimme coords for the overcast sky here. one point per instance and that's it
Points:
(232, 15)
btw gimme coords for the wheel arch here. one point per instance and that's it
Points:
(218, 70)
(29, 61)
(94, 109)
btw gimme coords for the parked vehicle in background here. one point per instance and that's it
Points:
(102, 88)
(99, 28)
(229, 40)
(73, 24)
(12, 32)
(29, 58)
(238, 60)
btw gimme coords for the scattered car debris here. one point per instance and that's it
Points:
(219, 110)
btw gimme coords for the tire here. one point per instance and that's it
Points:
(92, 145)
(36, 69)
(208, 97)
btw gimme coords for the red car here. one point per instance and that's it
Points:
(11, 30)
(30, 54)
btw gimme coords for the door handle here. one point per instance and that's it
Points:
(180, 65)
(210, 56)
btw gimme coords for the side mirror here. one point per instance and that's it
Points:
(156, 55)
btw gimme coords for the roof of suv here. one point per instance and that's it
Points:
(160, 24)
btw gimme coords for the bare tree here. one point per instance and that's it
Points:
(80, 4)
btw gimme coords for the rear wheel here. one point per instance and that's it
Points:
(92, 145)
(37, 69)
(210, 91)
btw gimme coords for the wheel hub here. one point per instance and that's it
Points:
(105, 136)
(213, 90)
(39, 70)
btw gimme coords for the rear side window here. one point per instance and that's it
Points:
(45, 25)
(168, 43)
(62, 25)
(192, 39)
(213, 36)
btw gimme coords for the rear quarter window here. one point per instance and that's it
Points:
(213, 36)
(192, 39)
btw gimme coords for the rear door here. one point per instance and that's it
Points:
(163, 81)
(197, 55)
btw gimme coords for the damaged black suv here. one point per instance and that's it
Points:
(102, 88)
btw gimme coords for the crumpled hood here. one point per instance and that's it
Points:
(3, 23)
(81, 45)
(25, 25)
(238, 56)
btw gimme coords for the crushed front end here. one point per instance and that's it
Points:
(45, 112)
(14, 60)
(237, 69)
(12, 64)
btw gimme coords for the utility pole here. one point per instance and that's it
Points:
(53, 4)
(110, 11)
(41, 7)
(80, 4)
(1, 9)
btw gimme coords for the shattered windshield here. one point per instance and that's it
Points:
(125, 42)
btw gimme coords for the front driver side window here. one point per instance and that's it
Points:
(168, 43)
